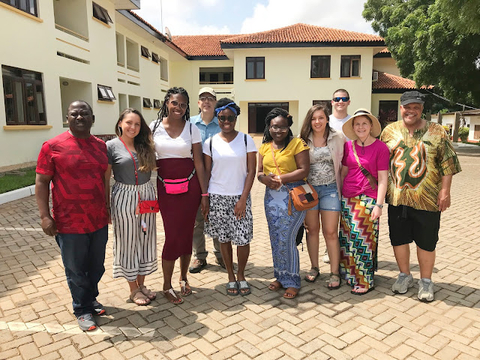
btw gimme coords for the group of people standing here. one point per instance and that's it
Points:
(212, 168)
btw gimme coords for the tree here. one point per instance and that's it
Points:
(429, 46)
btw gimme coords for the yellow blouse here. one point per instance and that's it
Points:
(285, 159)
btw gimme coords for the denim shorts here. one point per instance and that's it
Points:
(327, 197)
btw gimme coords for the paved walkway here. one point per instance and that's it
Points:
(36, 321)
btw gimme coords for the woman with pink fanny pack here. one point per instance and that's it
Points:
(180, 183)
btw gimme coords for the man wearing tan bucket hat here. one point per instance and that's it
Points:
(422, 163)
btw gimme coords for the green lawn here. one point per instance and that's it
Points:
(10, 182)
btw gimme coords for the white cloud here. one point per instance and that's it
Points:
(181, 17)
(345, 14)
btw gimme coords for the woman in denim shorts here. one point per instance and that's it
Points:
(326, 153)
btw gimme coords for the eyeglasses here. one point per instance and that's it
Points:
(229, 118)
(278, 128)
(182, 106)
(207, 98)
(343, 98)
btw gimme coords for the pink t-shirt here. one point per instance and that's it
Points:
(374, 158)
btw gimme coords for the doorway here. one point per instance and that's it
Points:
(257, 113)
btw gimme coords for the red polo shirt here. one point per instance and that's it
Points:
(78, 193)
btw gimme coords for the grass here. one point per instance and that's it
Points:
(12, 181)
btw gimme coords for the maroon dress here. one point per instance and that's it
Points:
(178, 210)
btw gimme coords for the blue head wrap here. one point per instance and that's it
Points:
(229, 106)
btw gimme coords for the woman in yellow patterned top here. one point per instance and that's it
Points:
(292, 157)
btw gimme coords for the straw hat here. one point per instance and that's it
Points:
(347, 128)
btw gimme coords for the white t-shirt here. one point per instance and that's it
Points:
(180, 147)
(229, 164)
(338, 123)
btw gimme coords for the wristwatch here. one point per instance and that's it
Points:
(379, 205)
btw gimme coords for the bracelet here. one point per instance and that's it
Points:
(379, 205)
(206, 194)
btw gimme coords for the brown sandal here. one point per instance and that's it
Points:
(274, 286)
(291, 293)
(148, 293)
(171, 296)
(139, 298)
(185, 288)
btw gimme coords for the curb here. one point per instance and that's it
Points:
(17, 194)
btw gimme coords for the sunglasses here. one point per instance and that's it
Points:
(229, 118)
(343, 98)
(182, 106)
(207, 98)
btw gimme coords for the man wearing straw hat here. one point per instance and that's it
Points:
(422, 163)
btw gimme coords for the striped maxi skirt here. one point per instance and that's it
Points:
(134, 251)
(358, 241)
(283, 229)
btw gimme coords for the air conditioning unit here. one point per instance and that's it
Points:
(375, 76)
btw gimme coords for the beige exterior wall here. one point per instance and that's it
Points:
(387, 65)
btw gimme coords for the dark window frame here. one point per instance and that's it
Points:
(144, 51)
(387, 111)
(29, 6)
(147, 103)
(101, 14)
(255, 60)
(325, 74)
(107, 93)
(350, 59)
(26, 78)
(155, 58)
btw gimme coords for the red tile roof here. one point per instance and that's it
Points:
(201, 45)
(303, 33)
(388, 81)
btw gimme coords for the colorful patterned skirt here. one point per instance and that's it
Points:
(358, 241)
(283, 229)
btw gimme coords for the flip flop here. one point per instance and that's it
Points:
(243, 285)
(232, 285)
(174, 299)
(185, 288)
(362, 293)
(274, 286)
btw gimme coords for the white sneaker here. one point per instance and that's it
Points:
(326, 259)
(425, 290)
(402, 284)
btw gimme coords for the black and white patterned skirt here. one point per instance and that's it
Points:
(223, 224)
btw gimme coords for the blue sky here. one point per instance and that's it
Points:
(194, 17)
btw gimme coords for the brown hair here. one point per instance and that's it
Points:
(307, 123)
(143, 142)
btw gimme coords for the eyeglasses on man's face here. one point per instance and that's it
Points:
(343, 98)
(207, 98)
(229, 118)
(182, 106)
(278, 128)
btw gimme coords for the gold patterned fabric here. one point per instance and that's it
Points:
(417, 164)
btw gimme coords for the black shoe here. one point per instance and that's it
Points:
(197, 266)
(99, 309)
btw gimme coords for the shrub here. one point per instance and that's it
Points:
(463, 133)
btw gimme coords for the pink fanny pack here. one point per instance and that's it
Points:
(176, 186)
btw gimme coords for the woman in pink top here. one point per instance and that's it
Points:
(364, 173)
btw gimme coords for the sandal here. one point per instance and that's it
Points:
(291, 293)
(334, 278)
(171, 296)
(185, 288)
(274, 286)
(244, 287)
(312, 275)
(355, 290)
(148, 293)
(139, 298)
(232, 288)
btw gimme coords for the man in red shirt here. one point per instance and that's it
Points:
(74, 162)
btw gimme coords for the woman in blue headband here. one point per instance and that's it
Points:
(230, 162)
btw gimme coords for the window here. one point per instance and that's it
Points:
(105, 93)
(101, 14)
(387, 112)
(216, 75)
(145, 52)
(147, 103)
(133, 56)
(23, 94)
(157, 104)
(29, 6)
(326, 103)
(155, 58)
(350, 66)
(320, 67)
(163, 69)
(255, 68)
